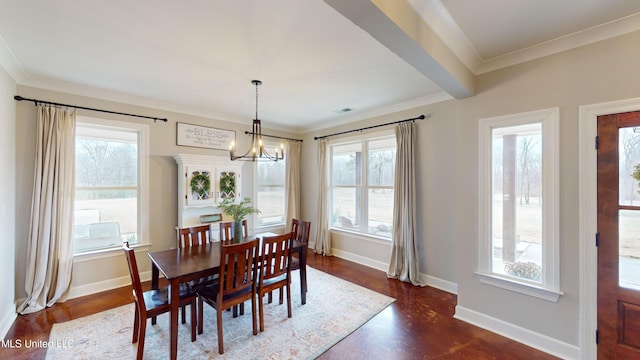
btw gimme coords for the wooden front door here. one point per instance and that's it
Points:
(618, 238)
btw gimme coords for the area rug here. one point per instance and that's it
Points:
(334, 309)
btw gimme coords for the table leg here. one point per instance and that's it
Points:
(303, 275)
(155, 274)
(174, 300)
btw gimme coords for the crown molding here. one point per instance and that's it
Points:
(381, 111)
(10, 64)
(436, 16)
(106, 95)
(128, 99)
(585, 37)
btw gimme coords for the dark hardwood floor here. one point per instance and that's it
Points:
(418, 325)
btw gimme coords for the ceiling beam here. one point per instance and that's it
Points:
(395, 24)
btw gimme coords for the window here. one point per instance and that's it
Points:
(362, 175)
(519, 203)
(110, 189)
(270, 197)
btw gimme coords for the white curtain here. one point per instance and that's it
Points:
(292, 182)
(50, 247)
(404, 263)
(321, 235)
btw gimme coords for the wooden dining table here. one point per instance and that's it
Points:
(182, 265)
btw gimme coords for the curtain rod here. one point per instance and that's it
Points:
(421, 117)
(273, 136)
(36, 101)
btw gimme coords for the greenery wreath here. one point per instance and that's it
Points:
(228, 184)
(201, 184)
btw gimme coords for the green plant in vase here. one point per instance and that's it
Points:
(237, 210)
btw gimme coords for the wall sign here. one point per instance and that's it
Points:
(204, 137)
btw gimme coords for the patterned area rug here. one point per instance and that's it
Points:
(335, 308)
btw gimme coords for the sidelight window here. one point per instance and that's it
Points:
(519, 203)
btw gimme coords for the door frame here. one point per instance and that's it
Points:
(588, 215)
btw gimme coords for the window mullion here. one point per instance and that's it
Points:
(364, 193)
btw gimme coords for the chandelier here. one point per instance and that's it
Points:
(256, 151)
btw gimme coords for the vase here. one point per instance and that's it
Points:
(236, 230)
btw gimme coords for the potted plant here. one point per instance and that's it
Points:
(237, 210)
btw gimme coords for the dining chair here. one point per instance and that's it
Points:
(150, 304)
(193, 236)
(226, 230)
(226, 234)
(275, 270)
(300, 229)
(236, 284)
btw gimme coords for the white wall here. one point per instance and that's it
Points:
(7, 201)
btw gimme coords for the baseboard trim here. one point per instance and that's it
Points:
(440, 284)
(432, 281)
(514, 332)
(110, 284)
(7, 321)
(358, 259)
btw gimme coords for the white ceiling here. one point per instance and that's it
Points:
(199, 57)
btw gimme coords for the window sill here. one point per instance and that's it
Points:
(361, 236)
(520, 287)
(106, 253)
(269, 228)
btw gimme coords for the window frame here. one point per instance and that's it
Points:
(270, 144)
(549, 287)
(142, 131)
(364, 187)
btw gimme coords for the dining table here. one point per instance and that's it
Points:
(181, 265)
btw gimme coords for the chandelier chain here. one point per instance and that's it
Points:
(257, 84)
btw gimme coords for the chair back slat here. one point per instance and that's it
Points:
(193, 236)
(238, 263)
(275, 256)
(300, 229)
(226, 230)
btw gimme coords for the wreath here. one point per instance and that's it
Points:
(228, 184)
(201, 184)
